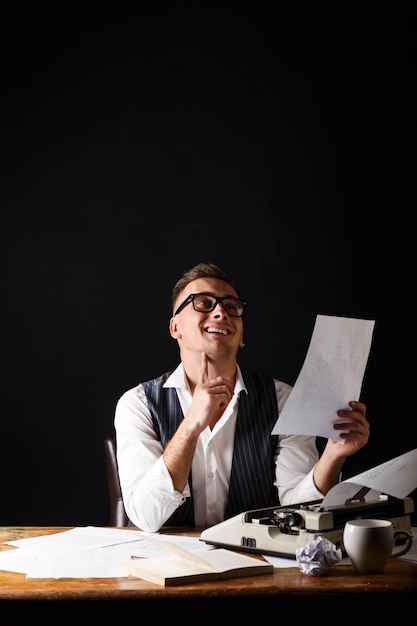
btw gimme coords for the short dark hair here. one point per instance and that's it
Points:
(201, 270)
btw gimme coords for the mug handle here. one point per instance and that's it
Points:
(399, 551)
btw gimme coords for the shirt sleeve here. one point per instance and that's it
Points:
(148, 493)
(296, 458)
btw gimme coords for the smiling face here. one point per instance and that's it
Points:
(216, 333)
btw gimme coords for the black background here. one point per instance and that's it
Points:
(137, 143)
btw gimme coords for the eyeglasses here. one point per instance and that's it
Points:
(206, 302)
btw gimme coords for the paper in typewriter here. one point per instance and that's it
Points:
(331, 375)
(396, 477)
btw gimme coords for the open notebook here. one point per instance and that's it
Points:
(182, 567)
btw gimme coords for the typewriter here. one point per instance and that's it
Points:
(281, 530)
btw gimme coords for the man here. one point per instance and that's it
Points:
(194, 446)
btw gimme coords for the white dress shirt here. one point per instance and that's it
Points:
(148, 493)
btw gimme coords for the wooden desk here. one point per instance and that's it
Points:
(285, 588)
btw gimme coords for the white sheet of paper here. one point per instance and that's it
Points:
(331, 376)
(344, 491)
(78, 539)
(87, 552)
(397, 477)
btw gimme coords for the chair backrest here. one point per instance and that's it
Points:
(117, 516)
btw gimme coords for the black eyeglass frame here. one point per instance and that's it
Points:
(217, 300)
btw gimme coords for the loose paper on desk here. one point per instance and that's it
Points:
(86, 552)
(331, 375)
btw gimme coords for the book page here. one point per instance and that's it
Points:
(166, 567)
(218, 560)
(173, 570)
(178, 553)
(226, 560)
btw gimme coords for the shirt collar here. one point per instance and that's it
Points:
(178, 380)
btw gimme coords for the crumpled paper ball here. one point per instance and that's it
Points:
(317, 557)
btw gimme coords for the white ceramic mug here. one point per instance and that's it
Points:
(370, 543)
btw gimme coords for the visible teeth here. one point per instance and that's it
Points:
(219, 331)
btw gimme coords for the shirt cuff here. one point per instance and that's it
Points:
(159, 473)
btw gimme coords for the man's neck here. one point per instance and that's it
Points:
(226, 369)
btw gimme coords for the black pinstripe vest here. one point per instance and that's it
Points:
(253, 469)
